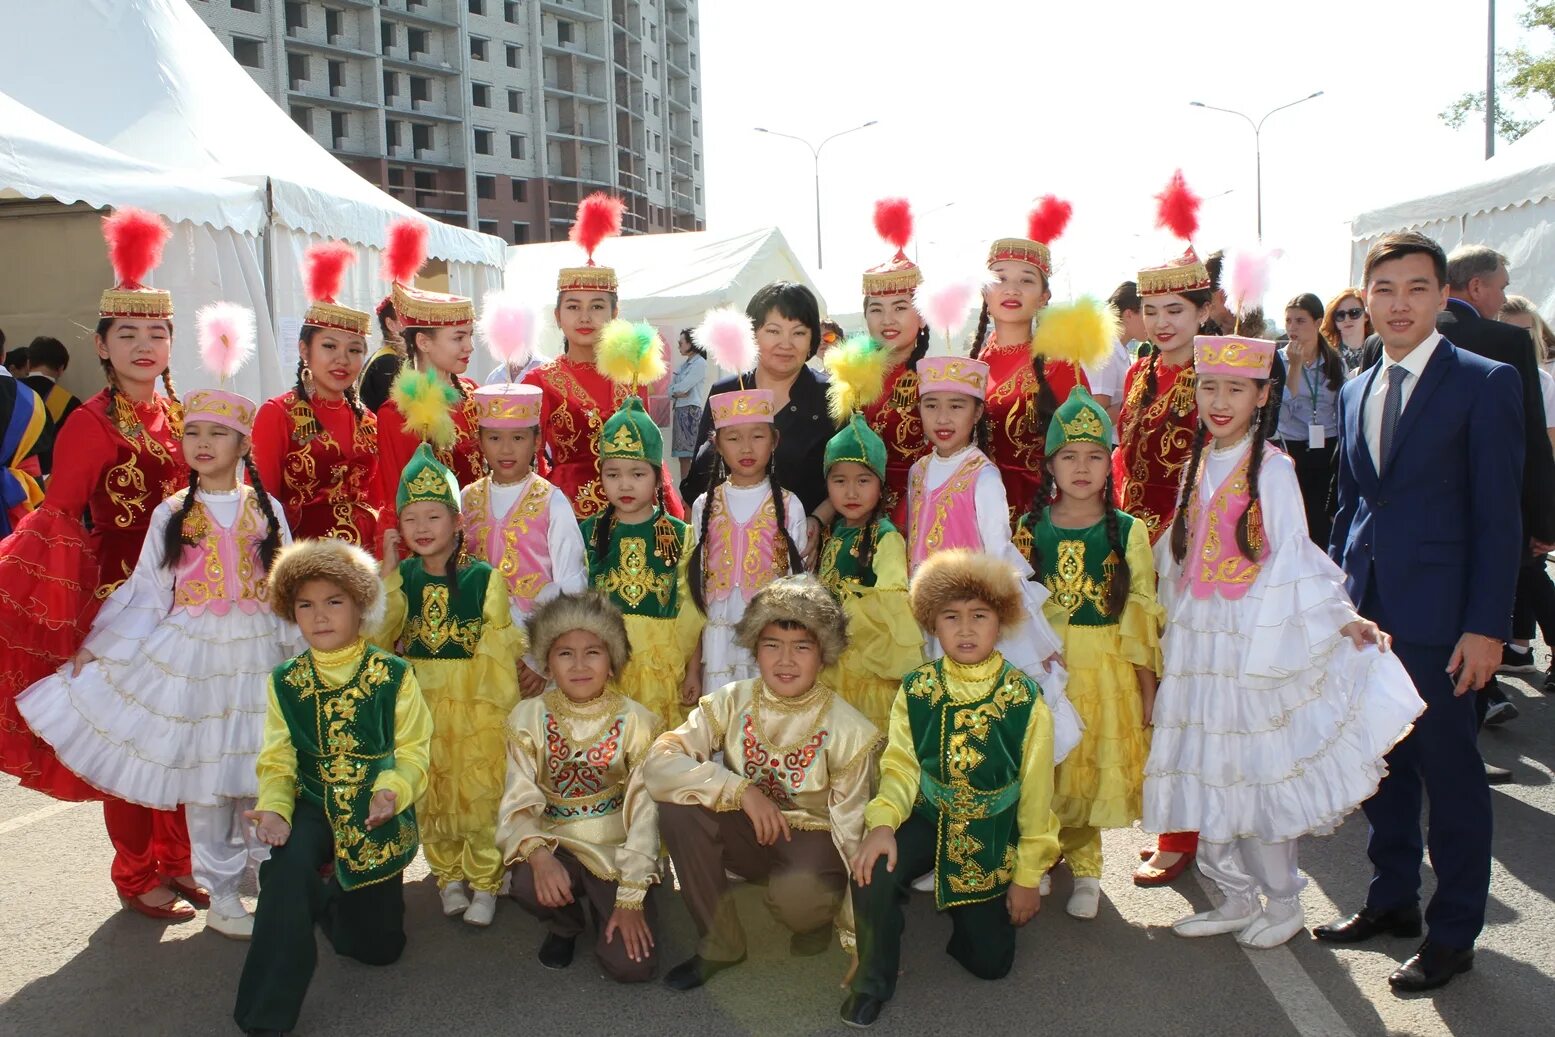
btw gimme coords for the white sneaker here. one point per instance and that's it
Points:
(506, 889)
(1045, 886)
(455, 900)
(924, 883)
(234, 927)
(482, 909)
(1278, 922)
(1230, 917)
(1085, 901)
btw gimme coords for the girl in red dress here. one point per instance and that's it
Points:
(317, 445)
(1158, 423)
(438, 332)
(1025, 387)
(576, 399)
(125, 455)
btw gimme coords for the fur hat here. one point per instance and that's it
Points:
(958, 575)
(586, 610)
(345, 565)
(796, 599)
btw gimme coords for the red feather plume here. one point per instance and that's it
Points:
(135, 239)
(406, 252)
(893, 222)
(326, 264)
(1048, 220)
(1178, 211)
(599, 217)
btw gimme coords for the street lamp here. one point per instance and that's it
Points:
(815, 152)
(1258, 139)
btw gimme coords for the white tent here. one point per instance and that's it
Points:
(157, 86)
(1508, 203)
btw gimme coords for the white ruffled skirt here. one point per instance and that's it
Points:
(175, 718)
(1268, 723)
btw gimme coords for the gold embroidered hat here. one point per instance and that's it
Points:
(1177, 210)
(898, 275)
(631, 435)
(508, 406)
(1080, 419)
(135, 239)
(1233, 355)
(1044, 224)
(415, 307)
(222, 407)
(326, 263)
(426, 479)
(952, 374)
(599, 217)
(742, 407)
(859, 443)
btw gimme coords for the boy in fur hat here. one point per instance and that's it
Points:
(344, 758)
(976, 806)
(784, 803)
(576, 819)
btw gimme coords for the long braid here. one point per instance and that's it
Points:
(870, 537)
(1152, 383)
(779, 509)
(1119, 581)
(602, 527)
(920, 348)
(1033, 519)
(458, 383)
(272, 541)
(1045, 402)
(301, 388)
(458, 559)
(1249, 541)
(982, 433)
(983, 320)
(173, 539)
(167, 383)
(355, 402)
(698, 563)
(1189, 477)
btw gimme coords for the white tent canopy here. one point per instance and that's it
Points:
(1507, 202)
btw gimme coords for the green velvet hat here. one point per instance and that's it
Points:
(426, 479)
(631, 435)
(1079, 420)
(857, 442)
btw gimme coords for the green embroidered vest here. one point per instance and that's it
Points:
(969, 758)
(344, 738)
(443, 618)
(1075, 564)
(840, 563)
(636, 572)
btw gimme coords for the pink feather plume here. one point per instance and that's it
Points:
(1247, 278)
(508, 328)
(226, 333)
(944, 305)
(727, 335)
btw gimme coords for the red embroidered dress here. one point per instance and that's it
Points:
(321, 462)
(577, 402)
(55, 574)
(1016, 436)
(894, 417)
(1154, 442)
(396, 445)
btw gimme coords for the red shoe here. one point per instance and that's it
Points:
(193, 893)
(172, 911)
(1147, 876)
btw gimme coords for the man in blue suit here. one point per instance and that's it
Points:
(1429, 534)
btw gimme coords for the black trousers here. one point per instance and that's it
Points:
(366, 923)
(981, 936)
(1535, 603)
(1315, 471)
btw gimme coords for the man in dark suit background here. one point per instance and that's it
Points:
(1429, 537)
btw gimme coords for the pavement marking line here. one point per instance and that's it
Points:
(34, 816)
(1312, 1014)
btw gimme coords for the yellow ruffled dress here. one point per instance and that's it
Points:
(884, 641)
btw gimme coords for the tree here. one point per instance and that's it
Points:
(1527, 75)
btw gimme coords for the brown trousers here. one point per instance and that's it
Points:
(805, 877)
(569, 921)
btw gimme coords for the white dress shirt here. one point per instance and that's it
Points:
(1414, 365)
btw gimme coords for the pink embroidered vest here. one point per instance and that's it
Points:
(1214, 563)
(742, 556)
(947, 517)
(223, 568)
(518, 544)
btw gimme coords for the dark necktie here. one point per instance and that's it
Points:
(1392, 406)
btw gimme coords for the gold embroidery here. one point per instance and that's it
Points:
(1070, 587)
(434, 628)
(635, 579)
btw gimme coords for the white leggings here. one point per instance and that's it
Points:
(1246, 867)
(223, 845)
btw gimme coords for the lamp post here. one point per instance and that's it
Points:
(1258, 139)
(815, 153)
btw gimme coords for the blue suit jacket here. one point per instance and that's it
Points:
(1438, 536)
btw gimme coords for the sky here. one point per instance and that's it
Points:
(986, 106)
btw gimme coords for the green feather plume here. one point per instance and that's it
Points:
(630, 354)
(857, 369)
(426, 400)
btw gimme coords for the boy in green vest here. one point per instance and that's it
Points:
(344, 758)
(966, 787)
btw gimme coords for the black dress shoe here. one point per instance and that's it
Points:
(695, 971)
(861, 1010)
(1432, 966)
(1497, 775)
(808, 945)
(1366, 923)
(556, 951)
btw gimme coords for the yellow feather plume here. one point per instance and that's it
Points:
(1082, 332)
(630, 354)
(426, 401)
(857, 369)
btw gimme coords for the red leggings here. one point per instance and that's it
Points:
(149, 846)
(1177, 842)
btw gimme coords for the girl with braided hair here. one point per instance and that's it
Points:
(1277, 702)
(1095, 562)
(317, 445)
(163, 705)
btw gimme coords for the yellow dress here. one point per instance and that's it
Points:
(884, 641)
(464, 648)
